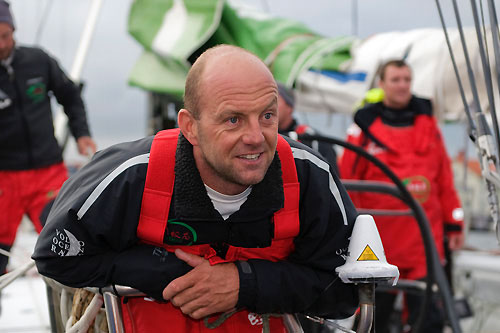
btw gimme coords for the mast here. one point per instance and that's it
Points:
(61, 120)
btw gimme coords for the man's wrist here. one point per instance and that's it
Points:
(248, 285)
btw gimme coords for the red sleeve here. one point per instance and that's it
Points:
(348, 162)
(351, 165)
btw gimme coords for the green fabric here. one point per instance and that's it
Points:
(145, 19)
(159, 75)
(202, 21)
(288, 47)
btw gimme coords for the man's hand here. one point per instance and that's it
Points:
(205, 289)
(86, 146)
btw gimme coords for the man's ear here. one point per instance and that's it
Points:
(188, 126)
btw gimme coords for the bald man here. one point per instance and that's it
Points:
(206, 219)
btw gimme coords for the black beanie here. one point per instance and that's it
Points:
(286, 93)
(5, 15)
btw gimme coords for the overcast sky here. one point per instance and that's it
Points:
(117, 112)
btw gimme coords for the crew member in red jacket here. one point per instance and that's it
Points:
(402, 132)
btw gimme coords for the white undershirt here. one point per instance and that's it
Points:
(227, 204)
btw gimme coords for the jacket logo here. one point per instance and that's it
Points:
(65, 244)
(343, 252)
(51, 194)
(5, 101)
(374, 149)
(179, 233)
(161, 253)
(254, 319)
(36, 92)
(419, 187)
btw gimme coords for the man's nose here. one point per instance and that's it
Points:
(253, 133)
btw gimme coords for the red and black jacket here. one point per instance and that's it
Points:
(101, 204)
(410, 143)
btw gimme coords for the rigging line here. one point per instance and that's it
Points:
(489, 158)
(470, 73)
(484, 33)
(495, 38)
(496, 49)
(487, 79)
(354, 17)
(265, 5)
(42, 22)
(472, 126)
(483, 131)
(467, 199)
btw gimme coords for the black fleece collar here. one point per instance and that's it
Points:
(367, 115)
(191, 201)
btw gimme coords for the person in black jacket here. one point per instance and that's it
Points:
(228, 190)
(31, 168)
(289, 126)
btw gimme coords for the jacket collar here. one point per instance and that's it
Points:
(191, 201)
(422, 108)
(367, 115)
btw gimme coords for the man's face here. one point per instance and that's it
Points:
(6, 40)
(237, 128)
(396, 86)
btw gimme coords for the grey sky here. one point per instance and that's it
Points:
(117, 112)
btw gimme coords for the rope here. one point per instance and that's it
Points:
(88, 303)
(265, 321)
(216, 323)
(85, 306)
(63, 301)
(8, 278)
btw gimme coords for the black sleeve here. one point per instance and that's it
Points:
(68, 94)
(98, 246)
(328, 152)
(307, 281)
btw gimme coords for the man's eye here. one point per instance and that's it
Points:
(268, 115)
(233, 120)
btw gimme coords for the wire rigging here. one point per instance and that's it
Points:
(472, 128)
(487, 77)
(487, 148)
(42, 22)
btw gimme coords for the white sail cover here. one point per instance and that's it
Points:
(427, 53)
